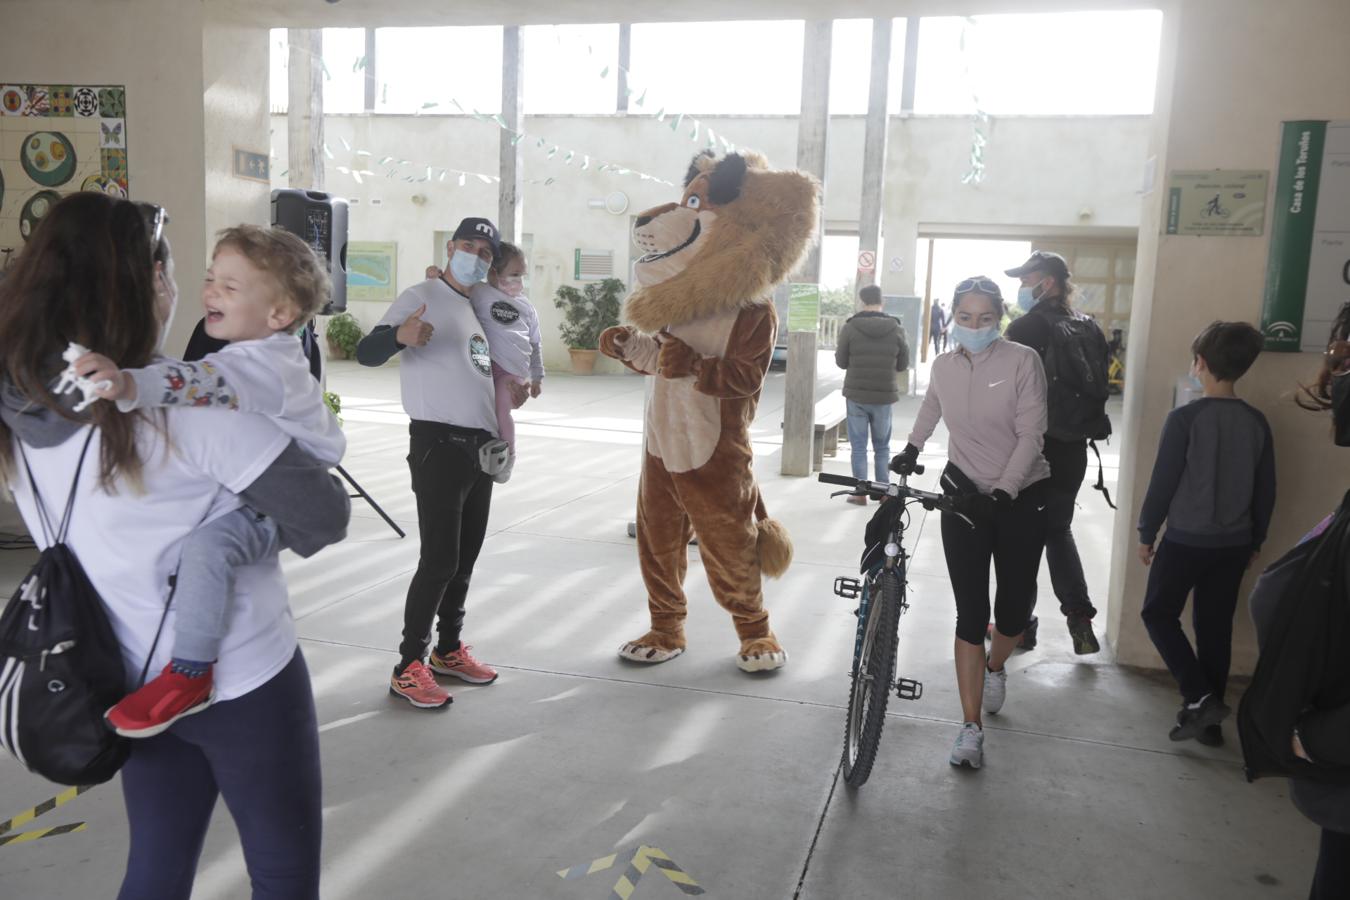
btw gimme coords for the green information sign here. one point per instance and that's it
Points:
(1308, 273)
(804, 307)
(1217, 202)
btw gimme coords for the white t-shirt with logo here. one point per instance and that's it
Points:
(129, 543)
(450, 379)
(512, 327)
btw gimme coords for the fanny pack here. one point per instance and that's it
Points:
(491, 455)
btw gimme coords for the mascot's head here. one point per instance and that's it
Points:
(739, 229)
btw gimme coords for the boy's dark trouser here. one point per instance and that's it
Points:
(453, 501)
(1332, 879)
(1014, 538)
(261, 753)
(1215, 574)
(1068, 467)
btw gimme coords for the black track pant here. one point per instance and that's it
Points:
(453, 501)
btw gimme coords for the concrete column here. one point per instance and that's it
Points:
(813, 127)
(511, 158)
(911, 65)
(304, 117)
(370, 70)
(625, 59)
(874, 149)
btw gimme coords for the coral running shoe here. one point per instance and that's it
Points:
(416, 685)
(462, 665)
(161, 702)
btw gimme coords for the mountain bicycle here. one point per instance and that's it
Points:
(882, 601)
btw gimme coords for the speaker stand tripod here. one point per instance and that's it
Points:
(361, 492)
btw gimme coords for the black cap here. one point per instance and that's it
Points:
(1042, 261)
(469, 229)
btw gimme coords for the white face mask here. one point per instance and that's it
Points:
(511, 285)
(466, 268)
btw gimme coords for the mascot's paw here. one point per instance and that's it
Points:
(652, 647)
(612, 340)
(677, 358)
(761, 655)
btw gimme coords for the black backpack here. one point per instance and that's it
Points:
(1301, 665)
(60, 664)
(1076, 361)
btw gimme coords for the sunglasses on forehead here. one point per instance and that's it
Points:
(981, 285)
(1337, 358)
(156, 217)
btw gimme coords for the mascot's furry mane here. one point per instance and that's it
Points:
(765, 222)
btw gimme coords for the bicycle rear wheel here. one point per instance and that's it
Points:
(873, 677)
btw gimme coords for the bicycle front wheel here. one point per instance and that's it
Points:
(873, 677)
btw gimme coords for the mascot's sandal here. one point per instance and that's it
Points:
(703, 323)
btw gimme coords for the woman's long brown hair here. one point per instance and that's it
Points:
(87, 275)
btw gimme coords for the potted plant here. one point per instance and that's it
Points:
(343, 333)
(586, 313)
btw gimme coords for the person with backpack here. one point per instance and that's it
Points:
(113, 496)
(871, 350)
(1294, 719)
(990, 394)
(1076, 357)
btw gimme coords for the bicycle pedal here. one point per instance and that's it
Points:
(848, 588)
(908, 689)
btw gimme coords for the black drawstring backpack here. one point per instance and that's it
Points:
(60, 664)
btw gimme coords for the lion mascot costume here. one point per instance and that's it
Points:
(702, 322)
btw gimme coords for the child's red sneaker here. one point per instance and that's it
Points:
(161, 702)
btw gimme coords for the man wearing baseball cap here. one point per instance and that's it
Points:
(1077, 415)
(446, 378)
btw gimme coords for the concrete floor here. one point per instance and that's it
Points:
(574, 755)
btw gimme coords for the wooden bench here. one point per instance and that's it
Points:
(830, 415)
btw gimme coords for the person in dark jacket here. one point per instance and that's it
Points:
(1321, 734)
(1044, 298)
(937, 328)
(871, 350)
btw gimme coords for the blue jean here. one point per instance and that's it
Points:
(261, 753)
(877, 418)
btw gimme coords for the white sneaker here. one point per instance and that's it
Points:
(969, 748)
(995, 689)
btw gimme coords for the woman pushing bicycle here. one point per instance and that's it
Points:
(991, 395)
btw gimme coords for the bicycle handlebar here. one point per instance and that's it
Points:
(944, 502)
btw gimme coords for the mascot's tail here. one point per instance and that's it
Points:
(775, 544)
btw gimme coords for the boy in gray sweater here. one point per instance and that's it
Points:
(1214, 483)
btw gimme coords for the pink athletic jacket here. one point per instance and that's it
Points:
(994, 406)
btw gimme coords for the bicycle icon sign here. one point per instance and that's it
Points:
(1215, 208)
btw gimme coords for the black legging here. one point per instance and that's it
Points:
(1332, 879)
(1014, 538)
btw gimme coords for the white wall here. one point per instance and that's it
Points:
(1041, 172)
(1228, 79)
(235, 72)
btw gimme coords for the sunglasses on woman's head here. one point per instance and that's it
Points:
(981, 285)
(1337, 358)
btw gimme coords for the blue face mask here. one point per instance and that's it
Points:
(974, 339)
(1025, 299)
(466, 268)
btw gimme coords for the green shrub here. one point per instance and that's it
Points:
(588, 312)
(344, 333)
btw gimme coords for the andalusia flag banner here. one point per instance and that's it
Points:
(1308, 276)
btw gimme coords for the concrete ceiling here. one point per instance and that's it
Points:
(378, 13)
